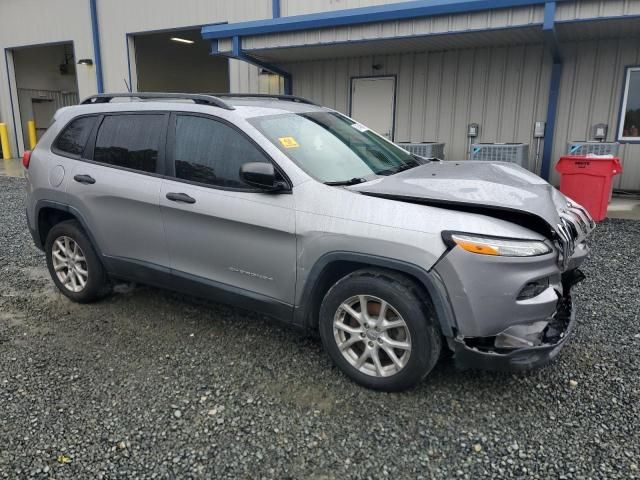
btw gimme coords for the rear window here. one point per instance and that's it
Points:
(130, 141)
(74, 137)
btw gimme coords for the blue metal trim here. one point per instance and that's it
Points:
(552, 107)
(549, 16)
(13, 111)
(275, 8)
(549, 31)
(96, 44)
(353, 16)
(239, 54)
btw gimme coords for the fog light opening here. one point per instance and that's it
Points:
(533, 289)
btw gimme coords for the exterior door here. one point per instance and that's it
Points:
(220, 231)
(117, 190)
(373, 103)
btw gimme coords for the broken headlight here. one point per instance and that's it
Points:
(496, 246)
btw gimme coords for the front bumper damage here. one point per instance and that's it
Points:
(522, 349)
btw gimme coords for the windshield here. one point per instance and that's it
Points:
(333, 148)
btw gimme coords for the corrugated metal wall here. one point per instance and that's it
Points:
(299, 7)
(504, 89)
(582, 9)
(444, 24)
(591, 92)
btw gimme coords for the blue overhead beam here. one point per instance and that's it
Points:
(354, 16)
(96, 45)
(239, 54)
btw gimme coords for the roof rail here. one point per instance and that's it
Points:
(196, 98)
(290, 98)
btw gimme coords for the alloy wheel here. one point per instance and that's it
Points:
(372, 336)
(70, 264)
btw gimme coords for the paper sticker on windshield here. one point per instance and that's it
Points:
(359, 127)
(288, 142)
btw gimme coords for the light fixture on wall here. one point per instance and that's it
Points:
(182, 40)
(85, 61)
(376, 66)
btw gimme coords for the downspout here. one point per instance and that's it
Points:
(96, 44)
(554, 87)
(275, 8)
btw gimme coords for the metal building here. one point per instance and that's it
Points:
(418, 71)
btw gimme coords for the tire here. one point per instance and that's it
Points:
(409, 321)
(80, 257)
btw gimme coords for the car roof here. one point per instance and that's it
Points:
(242, 105)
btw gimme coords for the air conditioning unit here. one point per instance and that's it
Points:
(595, 148)
(425, 149)
(501, 152)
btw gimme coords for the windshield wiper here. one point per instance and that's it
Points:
(353, 181)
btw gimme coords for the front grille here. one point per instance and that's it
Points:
(575, 225)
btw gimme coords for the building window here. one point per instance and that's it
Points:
(630, 121)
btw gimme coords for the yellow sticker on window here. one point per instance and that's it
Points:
(288, 142)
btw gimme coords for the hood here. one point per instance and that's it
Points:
(473, 185)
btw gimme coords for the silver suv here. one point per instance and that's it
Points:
(281, 206)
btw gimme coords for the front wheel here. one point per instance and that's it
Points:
(378, 327)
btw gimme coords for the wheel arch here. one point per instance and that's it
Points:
(335, 265)
(49, 214)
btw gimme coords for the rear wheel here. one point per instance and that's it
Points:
(73, 263)
(378, 328)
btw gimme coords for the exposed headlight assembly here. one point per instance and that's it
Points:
(501, 247)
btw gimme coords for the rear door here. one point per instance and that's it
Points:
(219, 231)
(116, 188)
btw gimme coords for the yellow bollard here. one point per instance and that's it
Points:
(31, 126)
(4, 141)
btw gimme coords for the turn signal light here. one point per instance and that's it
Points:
(26, 158)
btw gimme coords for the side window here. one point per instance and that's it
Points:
(208, 151)
(630, 121)
(130, 141)
(74, 137)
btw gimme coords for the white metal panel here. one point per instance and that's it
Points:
(586, 9)
(300, 7)
(447, 24)
(591, 92)
(504, 89)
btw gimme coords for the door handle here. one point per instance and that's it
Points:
(86, 179)
(180, 197)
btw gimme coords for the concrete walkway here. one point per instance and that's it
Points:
(11, 168)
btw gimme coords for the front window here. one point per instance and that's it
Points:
(333, 148)
(630, 122)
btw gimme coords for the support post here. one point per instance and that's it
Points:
(552, 108)
(33, 139)
(4, 141)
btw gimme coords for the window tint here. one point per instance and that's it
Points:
(74, 137)
(130, 141)
(208, 151)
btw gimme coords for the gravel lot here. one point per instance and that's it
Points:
(148, 384)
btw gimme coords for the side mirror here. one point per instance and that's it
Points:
(261, 175)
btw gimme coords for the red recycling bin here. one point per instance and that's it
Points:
(588, 180)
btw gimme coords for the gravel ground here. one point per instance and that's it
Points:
(148, 384)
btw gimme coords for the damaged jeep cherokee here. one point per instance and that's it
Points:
(278, 205)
